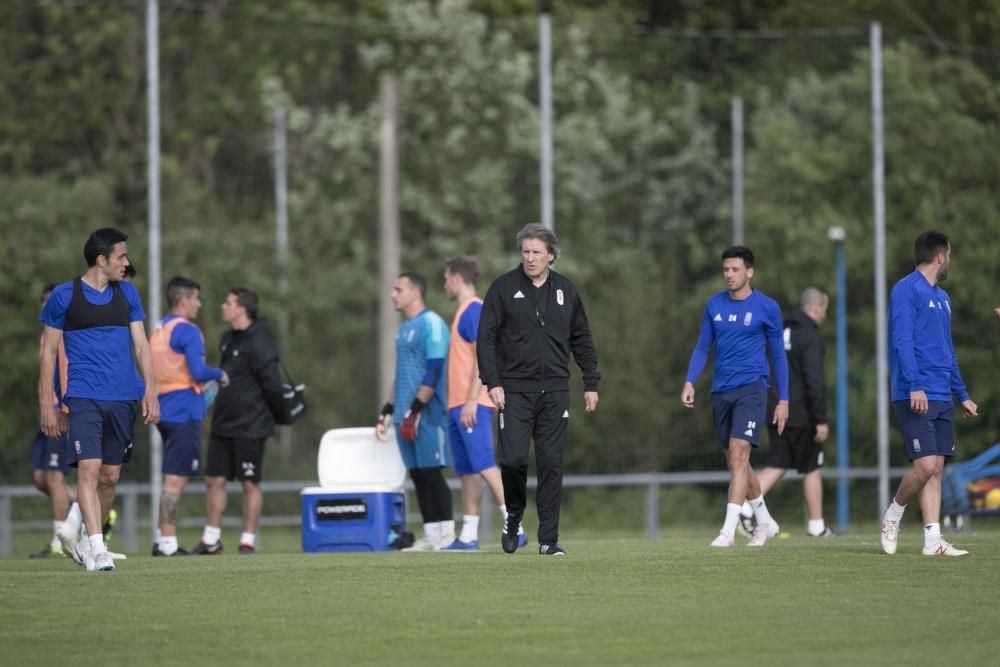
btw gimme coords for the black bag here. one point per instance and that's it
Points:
(293, 403)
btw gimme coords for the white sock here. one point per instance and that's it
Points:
(747, 509)
(97, 544)
(250, 539)
(895, 511)
(760, 511)
(470, 528)
(732, 516)
(56, 527)
(503, 511)
(816, 526)
(432, 531)
(167, 544)
(211, 534)
(932, 535)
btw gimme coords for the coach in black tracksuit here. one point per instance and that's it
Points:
(800, 446)
(532, 319)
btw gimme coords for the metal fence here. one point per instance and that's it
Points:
(131, 523)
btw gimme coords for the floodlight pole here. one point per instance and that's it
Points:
(153, 214)
(881, 305)
(837, 235)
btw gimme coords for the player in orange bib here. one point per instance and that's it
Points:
(470, 411)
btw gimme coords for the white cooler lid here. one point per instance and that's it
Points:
(354, 460)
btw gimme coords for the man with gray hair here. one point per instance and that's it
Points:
(801, 443)
(532, 319)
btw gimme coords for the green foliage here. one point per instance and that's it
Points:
(641, 172)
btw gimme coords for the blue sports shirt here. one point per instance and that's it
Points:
(100, 358)
(738, 330)
(921, 353)
(177, 407)
(421, 347)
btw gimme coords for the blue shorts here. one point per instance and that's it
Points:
(472, 447)
(932, 434)
(50, 454)
(100, 430)
(429, 450)
(181, 447)
(740, 413)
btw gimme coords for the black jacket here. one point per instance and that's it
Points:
(244, 408)
(806, 384)
(526, 335)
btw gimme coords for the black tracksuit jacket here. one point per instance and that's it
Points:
(806, 383)
(526, 335)
(244, 408)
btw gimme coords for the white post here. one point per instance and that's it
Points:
(153, 198)
(281, 248)
(281, 210)
(737, 125)
(388, 236)
(881, 305)
(545, 116)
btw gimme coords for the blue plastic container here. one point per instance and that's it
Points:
(333, 522)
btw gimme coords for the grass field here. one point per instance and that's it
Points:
(675, 601)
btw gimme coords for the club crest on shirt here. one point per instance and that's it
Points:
(747, 319)
(559, 297)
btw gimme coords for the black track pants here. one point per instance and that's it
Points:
(542, 417)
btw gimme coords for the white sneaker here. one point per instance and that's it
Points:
(761, 534)
(773, 529)
(82, 555)
(103, 562)
(424, 544)
(890, 534)
(944, 549)
(722, 541)
(116, 556)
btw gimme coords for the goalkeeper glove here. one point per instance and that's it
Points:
(411, 420)
(383, 422)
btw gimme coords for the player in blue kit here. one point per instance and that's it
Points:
(923, 372)
(421, 430)
(738, 324)
(100, 318)
(179, 354)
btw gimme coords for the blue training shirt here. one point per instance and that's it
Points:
(99, 358)
(421, 343)
(738, 330)
(177, 407)
(921, 353)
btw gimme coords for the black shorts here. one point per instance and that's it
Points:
(795, 448)
(235, 458)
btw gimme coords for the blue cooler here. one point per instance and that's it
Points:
(350, 521)
(359, 504)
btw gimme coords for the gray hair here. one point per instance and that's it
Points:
(542, 233)
(812, 296)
